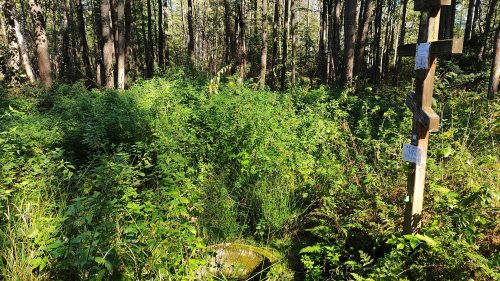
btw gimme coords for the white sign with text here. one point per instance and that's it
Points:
(412, 154)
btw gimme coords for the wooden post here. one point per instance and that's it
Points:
(425, 120)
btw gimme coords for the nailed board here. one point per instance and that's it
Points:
(425, 5)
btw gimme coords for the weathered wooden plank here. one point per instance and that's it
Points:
(438, 48)
(425, 116)
(425, 5)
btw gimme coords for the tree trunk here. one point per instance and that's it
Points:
(149, 47)
(335, 44)
(161, 36)
(24, 52)
(495, 67)
(401, 41)
(128, 32)
(470, 20)
(263, 57)
(363, 35)
(376, 42)
(42, 45)
(293, 31)
(13, 25)
(166, 50)
(190, 32)
(108, 45)
(229, 33)
(487, 28)
(477, 16)
(286, 24)
(84, 47)
(14, 59)
(242, 60)
(98, 44)
(121, 51)
(349, 40)
(274, 59)
(322, 67)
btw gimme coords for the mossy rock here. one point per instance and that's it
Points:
(236, 261)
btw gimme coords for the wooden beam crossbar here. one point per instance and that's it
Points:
(437, 49)
(425, 5)
(426, 115)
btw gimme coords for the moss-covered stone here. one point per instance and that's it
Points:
(237, 261)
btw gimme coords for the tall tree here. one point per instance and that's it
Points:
(377, 30)
(18, 45)
(495, 67)
(23, 47)
(274, 59)
(293, 31)
(166, 49)
(492, 7)
(263, 57)
(14, 58)
(84, 47)
(242, 60)
(229, 33)
(286, 24)
(349, 40)
(150, 45)
(191, 38)
(469, 21)
(402, 35)
(108, 45)
(161, 36)
(42, 44)
(334, 40)
(364, 24)
(121, 50)
(322, 70)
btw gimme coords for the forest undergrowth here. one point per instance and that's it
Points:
(134, 185)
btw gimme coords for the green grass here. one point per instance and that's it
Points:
(105, 185)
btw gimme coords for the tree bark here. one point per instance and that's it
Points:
(322, 57)
(263, 57)
(477, 16)
(487, 28)
(376, 42)
(108, 45)
(229, 33)
(19, 48)
(42, 44)
(84, 47)
(190, 31)
(166, 50)
(349, 40)
(363, 35)
(293, 31)
(401, 41)
(274, 59)
(161, 38)
(495, 67)
(335, 43)
(24, 51)
(14, 59)
(128, 34)
(149, 48)
(470, 19)
(98, 44)
(121, 50)
(286, 24)
(242, 60)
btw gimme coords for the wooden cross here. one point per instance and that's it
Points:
(425, 120)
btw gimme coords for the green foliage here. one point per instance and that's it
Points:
(105, 185)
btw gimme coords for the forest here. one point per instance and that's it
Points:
(249, 140)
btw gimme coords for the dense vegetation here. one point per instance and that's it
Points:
(136, 184)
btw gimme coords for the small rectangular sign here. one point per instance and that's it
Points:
(422, 56)
(412, 154)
